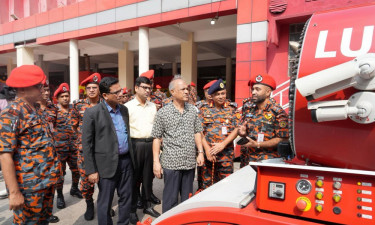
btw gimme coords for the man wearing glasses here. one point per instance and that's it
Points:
(142, 114)
(27, 153)
(91, 84)
(108, 152)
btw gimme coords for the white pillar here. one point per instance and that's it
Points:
(25, 56)
(228, 76)
(74, 69)
(174, 68)
(126, 67)
(189, 60)
(10, 66)
(143, 61)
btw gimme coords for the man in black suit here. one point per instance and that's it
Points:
(108, 151)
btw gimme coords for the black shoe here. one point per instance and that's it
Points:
(60, 203)
(133, 218)
(53, 219)
(89, 214)
(75, 192)
(154, 199)
(151, 211)
(140, 203)
(112, 213)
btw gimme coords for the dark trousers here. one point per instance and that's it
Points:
(122, 181)
(143, 172)
(176, 182)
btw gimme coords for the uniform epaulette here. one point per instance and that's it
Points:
(233, 104)
(246, 100)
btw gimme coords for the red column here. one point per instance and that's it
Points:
(251, 46)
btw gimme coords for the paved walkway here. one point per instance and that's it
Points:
(73, 213)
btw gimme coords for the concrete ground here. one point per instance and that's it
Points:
(75, 208)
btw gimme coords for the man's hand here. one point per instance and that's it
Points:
(94, 178)
(217, 147)
(210, 157)
(200, 159)
(16, 201)
(242, 129)
(251, 143)
(158, 170)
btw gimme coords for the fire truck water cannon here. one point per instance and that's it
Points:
(358, 73)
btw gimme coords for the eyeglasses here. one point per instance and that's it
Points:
(38, 86)
(146, 88)
(116, 92)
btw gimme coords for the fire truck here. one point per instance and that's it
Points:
(331, 179)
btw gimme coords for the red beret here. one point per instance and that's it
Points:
(93, 78)
(81, 91)
(192, 84)
(208, 85)
(264, 79)
(124, 90)
(158, 86)
(149, 74)
(25, 76)
(64, 87)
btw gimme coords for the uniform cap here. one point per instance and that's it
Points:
(64, 87)
(149, 74)
(208, 85)
(125, 90)
(217, 86)
(193, 84)
(81, 91)
(158, 86)
(25, 76)
(93, 78)
(264, 79)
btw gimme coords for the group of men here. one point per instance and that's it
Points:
(122, 142)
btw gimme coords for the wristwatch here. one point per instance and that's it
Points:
(201, 151)
(258, 145)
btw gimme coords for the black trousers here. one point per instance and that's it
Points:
(122, 181)
(176, 182)
(143, 172)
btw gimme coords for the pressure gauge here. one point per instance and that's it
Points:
(303, 186)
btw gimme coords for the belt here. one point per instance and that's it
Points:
(123, 155)
(142, 139)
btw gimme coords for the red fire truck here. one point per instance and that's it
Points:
(332, 132)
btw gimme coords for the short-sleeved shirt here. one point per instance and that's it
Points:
(26, 133)
(177, 130)
(141, 118)
(272, 121)
(64, 132)
(213, 120)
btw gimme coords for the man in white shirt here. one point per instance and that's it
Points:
(141, 119)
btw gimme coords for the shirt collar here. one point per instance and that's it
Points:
(110, 108)
(138, 103)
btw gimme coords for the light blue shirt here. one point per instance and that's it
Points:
(122, 133)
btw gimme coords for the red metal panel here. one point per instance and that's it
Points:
(102, 5)
(42, 18)
(149, 20)
(244, 11)
(242, 90)
(127, 2)
(71, 34)
(243, 71)
(87, 7)
(88, 32)
(29, 22)
(243, 52)
(7, 28)
(71, 11)
(259, 50)
(42, 40)
(18, 25)
(258, 67)
(55, 15)
(199, 10)
(106, 28)
(124, 25)
(338, 143)
(260, 10)
(175, 14)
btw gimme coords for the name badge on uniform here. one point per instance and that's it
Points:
(260, 137)
(224, 130)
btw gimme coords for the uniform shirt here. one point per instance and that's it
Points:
(50, 113)
(213, 120)
(141, 118)
(26, 134)
(167, 101)
(64, 133)
(177, 130)
(160, 94)
(120, 127)
(80, 106)
(272, 121)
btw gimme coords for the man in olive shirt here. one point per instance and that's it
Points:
(178, 125)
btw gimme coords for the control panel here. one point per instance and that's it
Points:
(327, 194)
